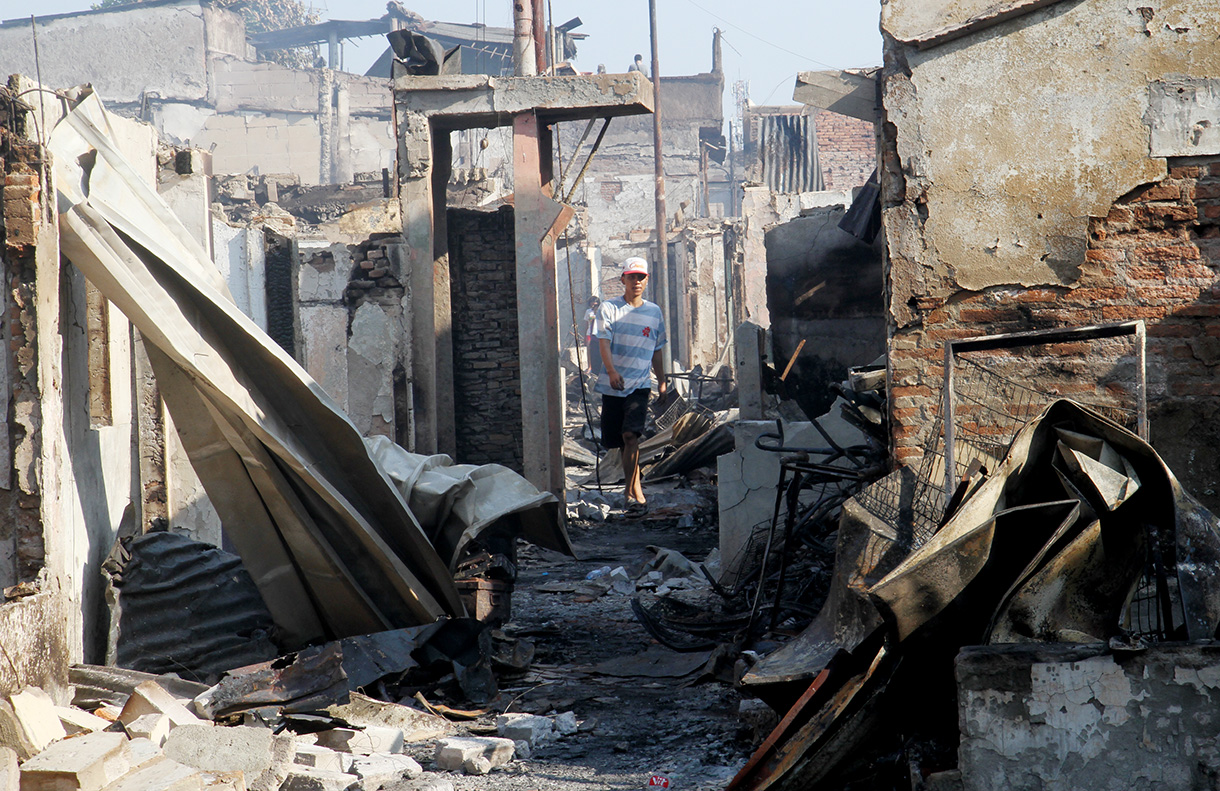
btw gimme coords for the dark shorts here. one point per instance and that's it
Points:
(623, 414)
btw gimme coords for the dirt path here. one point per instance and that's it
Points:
(633, 727)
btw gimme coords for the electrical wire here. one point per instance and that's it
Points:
(760, 38)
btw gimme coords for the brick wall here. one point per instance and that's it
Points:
(847, 150)
(486, 377)
(1153, 257)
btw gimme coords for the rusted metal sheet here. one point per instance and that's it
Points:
(309, 680)
(788, 152)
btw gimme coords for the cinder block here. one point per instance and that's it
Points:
(373, 739)
(37, 717)
(162, 774)
(376, 770)
(221, 749)
(150, 698)
(525, 728)
(452, 754)
(86, 763)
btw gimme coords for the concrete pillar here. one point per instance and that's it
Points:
(326, 127)
(539, 219)
(751, 342)
(343, 135)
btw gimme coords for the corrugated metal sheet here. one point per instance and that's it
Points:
(185, 607)
(788, 152)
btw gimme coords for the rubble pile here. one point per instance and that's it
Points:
(141, 737)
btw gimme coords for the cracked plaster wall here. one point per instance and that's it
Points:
(1059, 718)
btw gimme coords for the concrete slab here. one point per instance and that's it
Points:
(565, 723)
(150, 698)
(373, 739)
(141, 751)
(221, 749)
(452, 754)
(12, 735)
(85, 763)
(162, 774)
(36, 714)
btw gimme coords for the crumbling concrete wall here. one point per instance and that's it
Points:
(1021, 191)
(706, 317)
(824, 287)
(486, 354)
(1061, 717)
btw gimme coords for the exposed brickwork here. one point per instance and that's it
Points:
(847, 150)
(487, 378)
(1155, 256)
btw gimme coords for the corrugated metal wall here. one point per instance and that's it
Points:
(788, 151)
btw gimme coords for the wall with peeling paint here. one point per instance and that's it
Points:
(1008, 149)
(1060, 718)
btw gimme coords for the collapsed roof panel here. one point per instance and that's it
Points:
(328, 539)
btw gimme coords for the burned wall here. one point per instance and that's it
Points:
(1061, 717)
(824, 287)
(483, 300)
(1020, 191)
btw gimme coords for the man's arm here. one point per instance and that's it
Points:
(616, 379)
(658, 368)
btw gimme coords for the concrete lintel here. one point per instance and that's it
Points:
(839, 92)
(927, 25)
(469, 101)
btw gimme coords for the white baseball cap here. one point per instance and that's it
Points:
(635, 264)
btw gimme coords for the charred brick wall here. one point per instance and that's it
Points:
(847, 149)
(1155, 256)
(486, 352)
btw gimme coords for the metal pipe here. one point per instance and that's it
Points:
(662, 268)
(524, 62)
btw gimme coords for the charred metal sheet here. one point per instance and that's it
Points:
(370, 657)
(184, 607)
(979, 563)
(309, 680)
(788, 151)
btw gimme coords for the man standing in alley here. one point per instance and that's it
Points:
(630, 335)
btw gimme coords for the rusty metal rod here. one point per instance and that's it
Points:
(580, 176)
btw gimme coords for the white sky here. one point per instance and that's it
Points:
(766, 41)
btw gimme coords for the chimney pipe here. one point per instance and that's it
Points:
(525, 63)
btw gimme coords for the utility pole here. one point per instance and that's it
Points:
(525, 59)
(662, 268)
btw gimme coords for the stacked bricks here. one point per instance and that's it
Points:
(847, 150)
(371, 279)
(1156, 257)
(486, 351)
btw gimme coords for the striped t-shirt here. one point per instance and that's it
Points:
(634, 334)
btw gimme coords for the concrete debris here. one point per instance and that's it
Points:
(316, 757)
(37, 717)
(94, 685)
(86, 763)
(377, 770)
(371, 739)
(10, 775)
(149, 698)
(478, 765)
(529, 728)
(416, 725)
(218, 749)
(161, 774)
(566, 724)
(453, 754)
(154, 727)
(523, 750)
(76, 721)
(305, 779)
